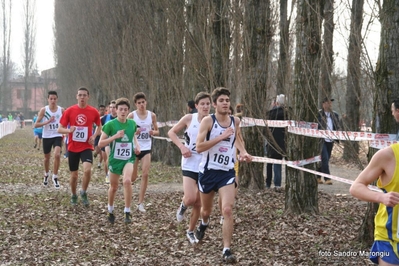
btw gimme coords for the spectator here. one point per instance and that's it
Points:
(327, 120)
(22, 119)
(276, 143)
(191, 107)
(239, 110)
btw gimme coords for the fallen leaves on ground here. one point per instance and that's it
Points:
(38, 225)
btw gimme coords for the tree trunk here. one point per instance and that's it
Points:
(327, 57)
(284, 45)
(353, 91)
(257, 37)
(220, 42)
(301, 187)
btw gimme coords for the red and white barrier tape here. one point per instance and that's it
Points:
(284, 162)
(298, 164)
(340, 179)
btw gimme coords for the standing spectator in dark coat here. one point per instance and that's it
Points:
(276, 143)
(327, 120)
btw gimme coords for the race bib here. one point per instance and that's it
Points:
(123, 151)
(80, 134)
(52, 127)
(144, 135)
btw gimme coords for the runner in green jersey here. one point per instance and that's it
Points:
(120, 134)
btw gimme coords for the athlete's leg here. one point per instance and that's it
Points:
(57, 158)
(127, 184)
(191, 198)
(145, 166)
(86, 175)
(113, 188)
(135, 170)
(227, 195)
(206, 205)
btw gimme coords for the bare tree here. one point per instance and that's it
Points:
(29, 46)
(301, 187)
(327, 52)
(5, 94)
(284, 46)
(257, 39)
(353, 91)
(221, 42)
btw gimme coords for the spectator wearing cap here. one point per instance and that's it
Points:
(191, 107)
(327, 120)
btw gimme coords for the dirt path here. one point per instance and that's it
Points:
(29, 155)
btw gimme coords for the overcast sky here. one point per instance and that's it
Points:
(44, 33)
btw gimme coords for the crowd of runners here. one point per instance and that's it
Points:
(122, 139)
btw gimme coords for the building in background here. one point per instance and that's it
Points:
(36, 95)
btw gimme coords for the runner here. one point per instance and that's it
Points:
(37, 133)
(81, 118)
(190, 160)
(218, 134)
(97, 150)
(49, 118)
(147, 127)
(120, 135)
(105, 150)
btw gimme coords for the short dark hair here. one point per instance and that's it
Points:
(52, 93)
(139, 95)
(122, 101)
(191, 104)
(84, 89)
(219, 91)
(101, 105)
(396, 103)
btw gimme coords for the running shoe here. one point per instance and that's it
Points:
(191, 237)
(74, 200)
(228, 257)
(140, 207)
(221, 219)
(128, 218)
(99, 165)
(35, 146)
(107, 179)
(180, 213)
(200, 232)
(45, 180)
(55, 182)
(111, 217)
(85, 200)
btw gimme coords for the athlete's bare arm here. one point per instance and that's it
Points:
(382, 166)
(205, 126)
(40, 117)
(154, 131)
(183, 123)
